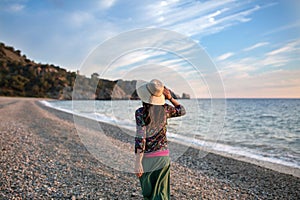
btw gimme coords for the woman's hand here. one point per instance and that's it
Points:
(139, 169)
(168, 96)
(167, 93)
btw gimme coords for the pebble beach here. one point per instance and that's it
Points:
(42, 157)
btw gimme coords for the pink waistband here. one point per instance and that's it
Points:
(157, 153)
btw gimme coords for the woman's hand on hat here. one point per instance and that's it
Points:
(167, 93)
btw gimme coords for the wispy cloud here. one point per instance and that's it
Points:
(286, 27)
(266, 75)
(230, 69)
(287, 48)
(80, 18)
(176, 12)
(16, 7)
(200, 18)
(278, 57)
(282, 55)
(279, 83)
(257, 45)
(105, 4)
(225, 56)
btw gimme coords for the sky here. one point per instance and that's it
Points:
(252, 48)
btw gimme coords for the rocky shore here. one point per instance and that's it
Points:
(42, 157)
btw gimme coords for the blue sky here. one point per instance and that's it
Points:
(255, 45)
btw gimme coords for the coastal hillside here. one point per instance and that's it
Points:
(20, 76)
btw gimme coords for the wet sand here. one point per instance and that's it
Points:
(42, 157)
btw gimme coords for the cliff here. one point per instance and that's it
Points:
(19, 76)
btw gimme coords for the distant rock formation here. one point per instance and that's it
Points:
(185, 96)
(125, 90)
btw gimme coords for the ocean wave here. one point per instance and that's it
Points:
(248, 151)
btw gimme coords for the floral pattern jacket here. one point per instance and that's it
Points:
(153, 138)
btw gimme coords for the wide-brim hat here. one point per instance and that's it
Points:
(151, 92)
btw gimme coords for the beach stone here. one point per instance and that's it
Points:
(42, 157)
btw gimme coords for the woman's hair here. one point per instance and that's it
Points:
(155, 112)
(146, 113)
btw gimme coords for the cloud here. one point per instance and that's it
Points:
(288, 48)
(230, 69)
(282, 55)
(257, 45)
(82, 26)
(274, 84)
(176, 12)
(136, 58)
(168, 55)
(15, 7)
(80, 18)
(283, 28)
(225, 56)
(199, 18)
(106, 4)
(267, 75)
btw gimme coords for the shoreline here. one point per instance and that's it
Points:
(279, 167)
(43, 157)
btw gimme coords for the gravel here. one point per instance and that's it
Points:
(42, 157)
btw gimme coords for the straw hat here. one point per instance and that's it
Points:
(151, 92)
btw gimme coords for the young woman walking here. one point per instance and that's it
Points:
(152, 164)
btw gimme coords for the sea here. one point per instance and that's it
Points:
(261, 129)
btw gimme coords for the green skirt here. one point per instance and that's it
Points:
(155, 181)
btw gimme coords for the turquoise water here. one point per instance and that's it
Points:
(264, 129)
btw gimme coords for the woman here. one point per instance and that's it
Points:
(152, 164)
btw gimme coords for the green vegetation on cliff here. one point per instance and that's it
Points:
(20, 76)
